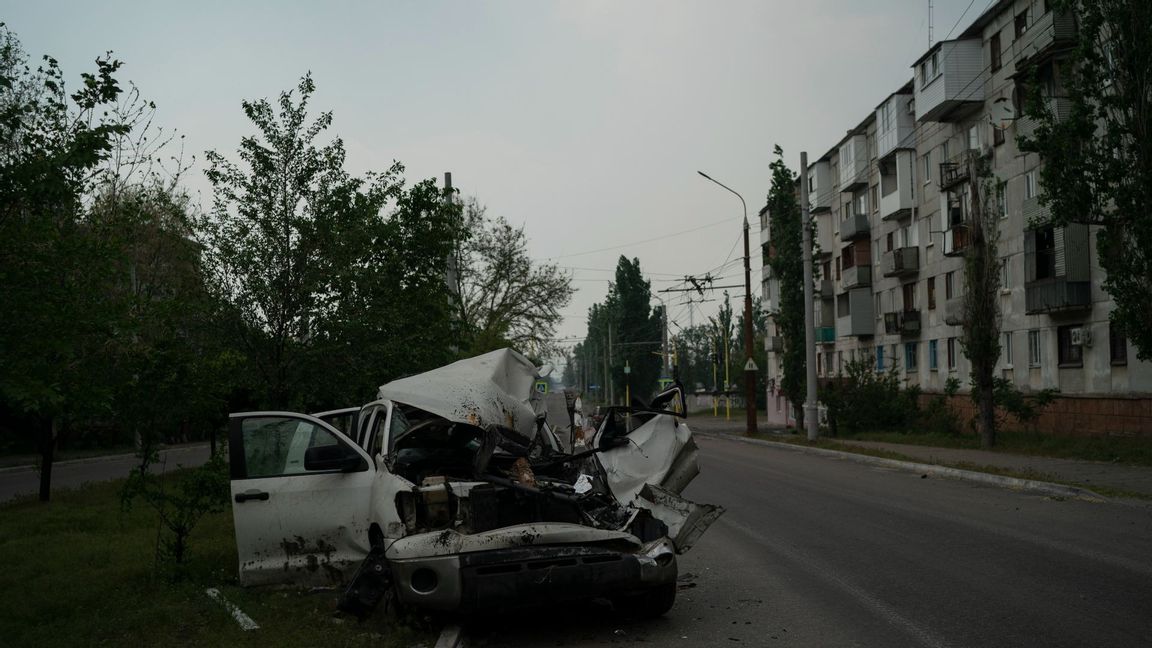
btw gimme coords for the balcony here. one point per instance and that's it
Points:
(902, 262)
(765, 236)
(827, 289)
(901, 131)
(954, 311)
(854, 227)
(957, 239)
(856, 317)
(1050, 31)
(950, 80)
(896, 179)
(854, 163)
(955, 171)
(857, 276)
(825, 242)
(905, 322)
(1056, 295)
(1060, 108)
(1034, 212)
(821, 192)
(826, 335)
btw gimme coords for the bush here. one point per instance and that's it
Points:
(1025, 408)
(866, 401)
(180, 501)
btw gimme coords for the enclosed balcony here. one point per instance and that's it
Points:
(955, 171)
(950, 80)
(902, 262)
(1057, 295)
(821, 192)
(822, 235)
(1049, 31)
(856, 316)
(854, 227)
(854, 163)
(896, 185)
(895, 124)
(1059, 107)
(904, 322)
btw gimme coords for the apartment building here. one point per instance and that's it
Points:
(892, 204)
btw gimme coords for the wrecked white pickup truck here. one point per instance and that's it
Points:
(451, 492)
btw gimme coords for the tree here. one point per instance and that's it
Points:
(786, 262)
(325, 287)
(980, 340)
(1097, 153)
(503, 298)
(53, 260)
(624, 331)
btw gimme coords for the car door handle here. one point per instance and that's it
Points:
(251, 495)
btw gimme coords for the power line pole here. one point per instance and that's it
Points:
(811, 415)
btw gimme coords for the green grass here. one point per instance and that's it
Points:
(78, 572)
(30, 459)
(1125, 450)
(831, 444)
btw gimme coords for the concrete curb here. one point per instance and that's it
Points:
(99, 458)
(1015, 483)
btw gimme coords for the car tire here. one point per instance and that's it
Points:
(648, 605)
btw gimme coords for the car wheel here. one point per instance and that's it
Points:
(648, 605)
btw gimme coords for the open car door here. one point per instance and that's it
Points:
(301, 491)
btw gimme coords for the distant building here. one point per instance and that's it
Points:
(891, 205)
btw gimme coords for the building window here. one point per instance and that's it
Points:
(1030, 185)
(839, 362)
(1005, 274)
(1117, 345)
(888, 242)
(927, 167)
(910, 356)
(951, 354)
(1007, 350)
(932, 364)
(1070, 352)
(994, 48)
(1035, 355)
(998, 135)
(1045, 255)
(1021, 23)
(1002, 199)
(837, 268)
(974, 137)
(931, 293)
(909, 290)
(879, 358)
(949, 285)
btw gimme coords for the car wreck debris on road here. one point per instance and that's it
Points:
(454, 492)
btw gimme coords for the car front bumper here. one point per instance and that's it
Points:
(520, 576)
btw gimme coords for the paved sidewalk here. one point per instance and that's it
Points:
(1136, 479)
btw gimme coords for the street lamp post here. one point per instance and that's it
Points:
(749, 363)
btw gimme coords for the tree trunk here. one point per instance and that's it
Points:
(47, 445)
(987, 416)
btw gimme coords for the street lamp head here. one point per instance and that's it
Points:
(705, 175)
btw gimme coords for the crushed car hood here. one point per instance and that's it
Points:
(494, 390)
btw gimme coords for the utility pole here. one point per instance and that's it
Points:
(811, 414)
(611, 380)
(749, 363)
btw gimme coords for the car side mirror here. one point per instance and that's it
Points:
(333, 457)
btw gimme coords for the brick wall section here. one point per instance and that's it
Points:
(1075, 415)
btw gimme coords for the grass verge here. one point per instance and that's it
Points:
(78, 572)
(830, 444)
(1125, 450)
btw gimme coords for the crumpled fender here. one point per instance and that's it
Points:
(449, 541)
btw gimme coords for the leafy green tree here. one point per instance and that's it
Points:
(331, 295)
(53, 261)
(503, 297)
(1097, 160)
(980, 340)
(787, 266)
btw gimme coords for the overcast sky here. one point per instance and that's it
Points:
(584, 121)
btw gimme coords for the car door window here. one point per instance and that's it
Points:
(275, 446)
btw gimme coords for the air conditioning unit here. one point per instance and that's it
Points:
(1081, 337)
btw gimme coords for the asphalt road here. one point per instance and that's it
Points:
(823, 552)
(72, 474)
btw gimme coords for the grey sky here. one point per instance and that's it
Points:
(586, 121)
